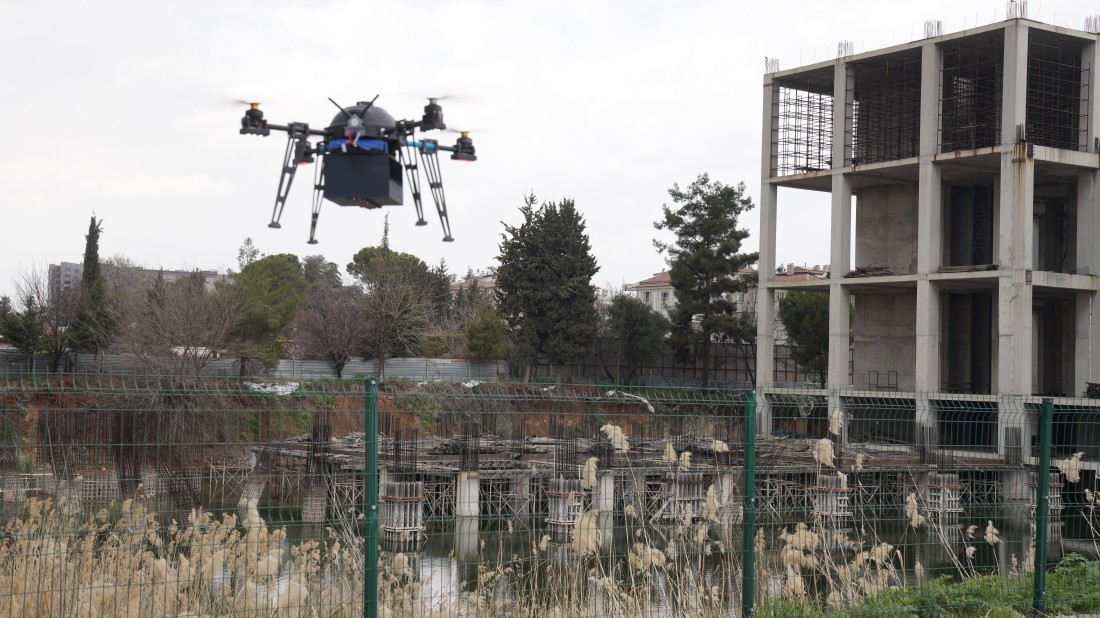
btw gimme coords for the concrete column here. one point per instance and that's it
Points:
(1090, 96)
(467, 494)
(840, 248)
(1014, 306)
(928, 336)
(929, 227)
(929, 99)
(1087, 315)
(604, 500)
(840, 256)
(843, 86)
(1014, 88)
(765, 297)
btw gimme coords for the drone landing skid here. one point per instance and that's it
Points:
(318, 198)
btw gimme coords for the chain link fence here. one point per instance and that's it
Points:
(170, 496)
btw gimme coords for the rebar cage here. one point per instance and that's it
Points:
(130, 496)
(1057, 91)
(971, 77)
(805, 124)
(885, 123)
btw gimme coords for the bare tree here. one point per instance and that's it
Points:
(180, 328)
(54, 311)
(331, 325)
(129, 282)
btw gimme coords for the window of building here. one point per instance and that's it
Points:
(646, 296)
(664, 298)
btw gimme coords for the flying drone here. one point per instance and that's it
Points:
(360, 157)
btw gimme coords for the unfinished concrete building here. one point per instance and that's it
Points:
(969, 163)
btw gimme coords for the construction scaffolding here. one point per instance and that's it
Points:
(1057, 91)
(805, 120)
(885, 113)
(970, 93)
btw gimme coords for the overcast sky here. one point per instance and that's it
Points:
(125, 110)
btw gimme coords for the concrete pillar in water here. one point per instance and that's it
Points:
(723, 486)
(635, 491)
(467, 494)
(383, 481)
(315, 503)
(257, 480)
(605, 523)
(466, 538)
(604, 501)
(521, 494)
(1018, 495)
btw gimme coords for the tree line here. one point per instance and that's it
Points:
(386, 304)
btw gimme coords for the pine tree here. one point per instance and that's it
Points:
(96, 322)
(544, 284)
(705, 264)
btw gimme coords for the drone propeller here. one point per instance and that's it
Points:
(444, 97)
(465, 132)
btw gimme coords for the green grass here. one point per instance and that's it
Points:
(1073, 586)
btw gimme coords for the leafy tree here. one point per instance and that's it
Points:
(96, 322)
(330, 324)
(805, 315)
(704, 262)
(398, 299)
(634, 333)
(544, 284)
(270, 290)
(487, 336)
(5, 305)
(247, 254)
(319, 271)
(21, 328)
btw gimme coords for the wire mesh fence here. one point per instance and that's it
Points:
(158, 496)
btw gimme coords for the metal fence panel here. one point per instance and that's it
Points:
(128, 495)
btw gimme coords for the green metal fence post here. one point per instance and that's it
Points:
(370, 502)
(748, 524)
(1042, 507)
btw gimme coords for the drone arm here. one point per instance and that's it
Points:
(435, 183)
(296, 128)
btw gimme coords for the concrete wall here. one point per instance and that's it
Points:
(885, 338)
(886, 224)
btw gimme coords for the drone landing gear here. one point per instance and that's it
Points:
(408, 156)
(318, 197)
(427, 153)
(435, 183)
(298, 152)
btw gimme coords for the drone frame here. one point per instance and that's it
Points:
(411, 154)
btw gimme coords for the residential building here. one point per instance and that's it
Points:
(486, 281)
(64, 278)
(656, 292)
(973, 162)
